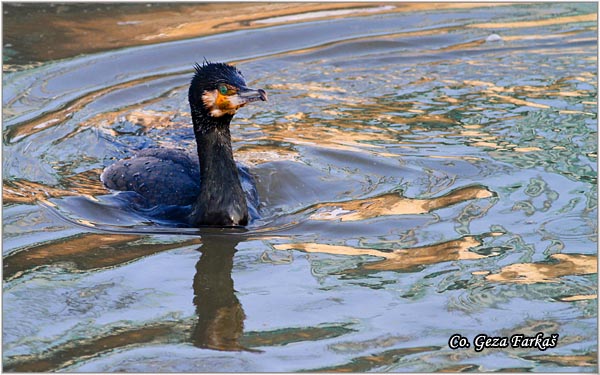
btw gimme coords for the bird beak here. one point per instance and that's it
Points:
(249, 95)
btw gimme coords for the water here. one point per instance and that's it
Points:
(421, 173)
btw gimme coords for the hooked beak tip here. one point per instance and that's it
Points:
(263, 95)
(253, 95)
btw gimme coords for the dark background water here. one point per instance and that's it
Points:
(424, 170)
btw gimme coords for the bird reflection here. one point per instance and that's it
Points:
(220, 315)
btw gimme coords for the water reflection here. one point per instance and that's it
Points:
(221, 317)
(396, 204)
(378, 361)
(106, 26)
(416, 182)
(558, 265)
(582, 360)
(66, 354)
(89, 253)
(85, 252)
(23, 191)
(413, 259)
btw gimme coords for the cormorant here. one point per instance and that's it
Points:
(210, 183)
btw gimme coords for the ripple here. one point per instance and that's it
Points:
(563, 265)
(570, 227)
(377, 160)
(323, 14)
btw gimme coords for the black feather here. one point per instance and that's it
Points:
(216, 190)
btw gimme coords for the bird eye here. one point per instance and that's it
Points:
(223, 89)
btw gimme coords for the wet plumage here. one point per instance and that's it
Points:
(218, 191)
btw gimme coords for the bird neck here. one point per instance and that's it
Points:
(221, 200)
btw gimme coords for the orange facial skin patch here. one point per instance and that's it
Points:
(219, 105)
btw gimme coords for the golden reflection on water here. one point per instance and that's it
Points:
(506, 38)
(151, 119)
(23, 191)
(84, 252)
(583, 360)
(564, 265)
(516, 101)
(66, 354)
(327, 137)
(259, 154)
(219, 320)
(396, 204)
(555, 89)
(378, 360)
(401, 259)
(220, 316)
(101, 29)
(461, 368)
(592, 17)
(250, 16)
(340, 134)
(579, 298)
(19, 131)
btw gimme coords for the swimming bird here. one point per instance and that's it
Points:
(211, 182)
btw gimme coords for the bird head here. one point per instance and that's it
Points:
(219, 90)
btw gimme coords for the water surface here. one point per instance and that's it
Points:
(422, 172)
